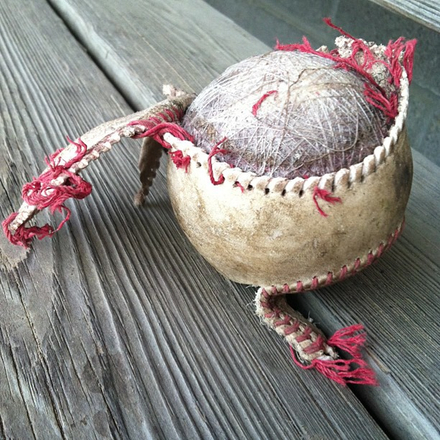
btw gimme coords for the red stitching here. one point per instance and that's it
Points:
(380, 249)
(264, 293)
(357, 265)
(285, 321)
(315, 346)
(329, 279)
(239, 185)
(305, 336)
(215, 150)
(293, 328)
(344, 272)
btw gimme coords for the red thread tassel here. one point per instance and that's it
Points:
(349, 339)
(340, 371)
(354, 371)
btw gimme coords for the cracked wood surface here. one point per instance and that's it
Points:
(116, 328)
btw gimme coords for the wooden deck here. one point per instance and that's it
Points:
(116, 327)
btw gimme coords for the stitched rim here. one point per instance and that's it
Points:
(344, 177)
(347, 270)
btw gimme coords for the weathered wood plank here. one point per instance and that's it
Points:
(396, 299)
(115, 328)
(426, 12)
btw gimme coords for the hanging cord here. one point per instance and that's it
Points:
(60, 180)
(309, 347)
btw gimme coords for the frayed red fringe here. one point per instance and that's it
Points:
(180, 160)
(351, 371)
(375, 95)
(43, 194)
(326, 196)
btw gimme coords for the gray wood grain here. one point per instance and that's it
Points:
(396, 299)
(426, 12)
(116, 328)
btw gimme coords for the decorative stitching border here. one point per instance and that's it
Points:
(344, 177)
(346, 271)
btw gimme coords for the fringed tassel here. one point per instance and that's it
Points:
(309, 348)
(43, 193)
(351, 371)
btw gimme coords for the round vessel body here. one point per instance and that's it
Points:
(264, 232)
(268, 231)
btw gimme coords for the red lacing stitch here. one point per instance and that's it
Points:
(216, 150)
(315, 283)
(343, 272)
(285, 321)
(380, 250)
(274, 291)
(257, 105)
(329, 279)
(265, 293)
(305, 335)
(326, 196)
(357, 265)
(292, 328)
(239, 185)
(275, 313)
(371, 257)
(286, 288)
(316, 346)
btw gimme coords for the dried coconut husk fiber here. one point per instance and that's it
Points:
(291, 171)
